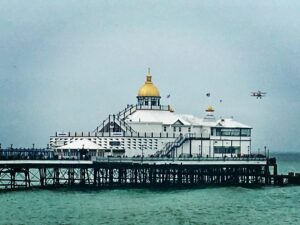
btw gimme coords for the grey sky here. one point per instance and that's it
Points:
(65, 65)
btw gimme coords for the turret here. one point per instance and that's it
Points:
(148, 94)
(209, 114)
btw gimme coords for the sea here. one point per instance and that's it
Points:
(205, 205)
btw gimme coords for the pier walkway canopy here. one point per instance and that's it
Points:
(81, 144)
(85, 147)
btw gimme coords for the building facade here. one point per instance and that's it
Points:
(149, 128)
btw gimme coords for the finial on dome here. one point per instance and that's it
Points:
(149, 77)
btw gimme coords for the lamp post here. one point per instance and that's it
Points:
(82, 155)
(143, 152)
(200, 151)
(265, 151)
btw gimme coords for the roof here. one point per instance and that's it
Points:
(86, 144)
(156, 116)
(169, 118)
(231, 123)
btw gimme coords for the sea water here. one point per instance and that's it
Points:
(219, 205)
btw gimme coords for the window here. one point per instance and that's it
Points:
(146, 102)
(189, 129)
(114, 143)
(226, 150)
(174, 129)
(179, 129)
(246, 132)
(227, 132)
(165, 129)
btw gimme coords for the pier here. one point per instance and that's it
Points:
(141, 172)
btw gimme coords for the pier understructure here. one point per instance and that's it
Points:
(139, 172)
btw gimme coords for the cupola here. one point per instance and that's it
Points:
(148, 89)
(148, 95)
(209, 117)
(210, 109)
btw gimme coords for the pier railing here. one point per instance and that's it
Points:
(41, 154)
(49, 154)
(177, 159)
(64, 136)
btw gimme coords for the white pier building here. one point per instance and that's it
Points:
(149, 128)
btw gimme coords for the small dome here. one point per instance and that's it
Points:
(148, 89)
(210, 109)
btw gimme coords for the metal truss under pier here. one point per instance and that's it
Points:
(22, 174)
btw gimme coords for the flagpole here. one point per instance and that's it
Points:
(168, 98)
(209, 99)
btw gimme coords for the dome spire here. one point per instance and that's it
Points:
(149, 77)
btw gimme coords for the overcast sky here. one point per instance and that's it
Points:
(65, 65)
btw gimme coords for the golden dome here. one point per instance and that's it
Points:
(148, 89)
(210, 109)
